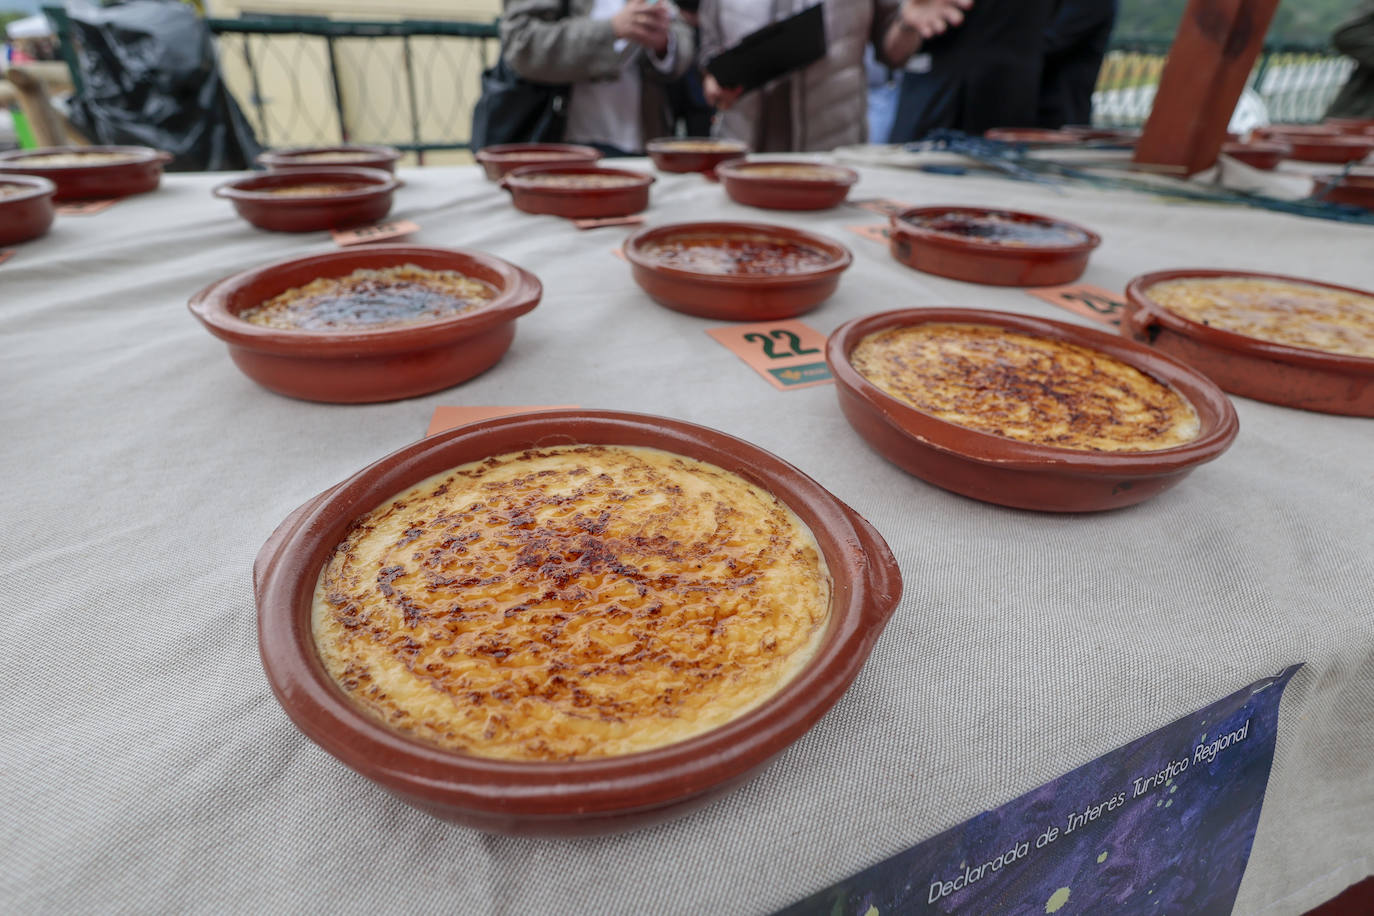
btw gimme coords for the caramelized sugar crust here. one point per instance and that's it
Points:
(1296, 314)
(1028, 388)
(800, 171)
(334, 156)
(699, 146)
(743, 255)
(571, 602)
(1000, 228)
(314, 190)
(580, 180)
(371, 299)
(77, 157)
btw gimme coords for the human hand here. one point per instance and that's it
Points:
(929, 18)
(645, 23)
(717, 96)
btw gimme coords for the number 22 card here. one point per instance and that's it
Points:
(789, 354)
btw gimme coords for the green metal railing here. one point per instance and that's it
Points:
(409, 84)
(412, 84)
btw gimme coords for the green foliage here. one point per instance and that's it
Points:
(1296, 22)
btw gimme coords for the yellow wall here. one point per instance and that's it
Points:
(294, 81)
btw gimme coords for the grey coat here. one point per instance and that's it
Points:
(543, 46)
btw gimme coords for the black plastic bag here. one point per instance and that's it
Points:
(515, 110)
(512, 109)
(151, 79)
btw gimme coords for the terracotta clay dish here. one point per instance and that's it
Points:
(786, 184)
(992, 247)
(736, 271)
(1359, 127)
(1355, 189)
(353, 156)
(693, 154)
(1025, 473)
(1283, 131)
(1318, 142)
(1120, 135)
(370, 323)
(578, 191)
(1338, 378)
(497, 160)
(26, 210)
(554, 788)
(312, 199)
(1337, 150)
(1258, 154)
(90, 172)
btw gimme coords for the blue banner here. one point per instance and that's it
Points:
(1162, 825)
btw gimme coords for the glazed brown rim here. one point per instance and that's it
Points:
(1339, 141)
(1137, 293)
(664, 145)
(841, 255)
(1355, 127)
(866, 586)
(497, 152)
(1279, 147)
(288, 155)
(1040, 136)
(1319, 131)
(1088, 132)
(513, 179)
(246, 188)
(738, 170)
(1330, 138)
(1216, 415)
(520, 292)
(138, 155)
(963, 244)
(37, 185)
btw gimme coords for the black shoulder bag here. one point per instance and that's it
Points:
(513, 109)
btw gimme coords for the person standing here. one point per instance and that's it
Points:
(619, 56)
(985, 73)
(823, 105)
(1355, 39)
(1075, 43)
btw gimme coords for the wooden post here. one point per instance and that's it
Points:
(30, 82)
(1208, 65)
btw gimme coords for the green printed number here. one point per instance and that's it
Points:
(769, 343)
(1099, 304)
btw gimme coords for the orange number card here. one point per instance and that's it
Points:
(1089, 301)
(883, 206)
(6, 255)
(446, 418)
(874, 232)
(608, 221)
(377, 232)
(788, 354)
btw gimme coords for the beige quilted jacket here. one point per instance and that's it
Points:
(819, 108)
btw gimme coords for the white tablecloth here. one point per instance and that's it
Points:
(145, 766)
